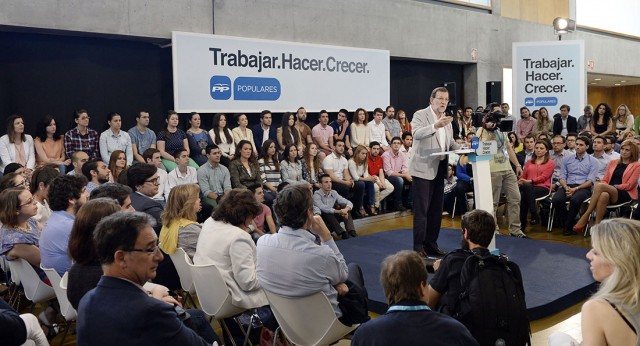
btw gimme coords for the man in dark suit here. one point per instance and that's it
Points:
(565, 123)
(119, 311)
(264, 131)
(526, 154)
(144, 180)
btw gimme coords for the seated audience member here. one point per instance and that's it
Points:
(214, 179)
(565, 123)
(119, 192)
(96, 172)
(391, 124)
(265, 217)
(263, 131)
(290, 167)
(117, 164)
(222, 137)
(182, 174)
(127, 248)
(113, 139)
(577, 175)
(377, 131)
(526, 124)
(619, 185)
(198, 139)
(584, 121)
(599, 154)
(226, 243)
(242, 131)
(244, 169)
(515, 142)
(81, 137)
(269, 170)
(558, 155)
(609, 145)
(303, 128)
(571, 142)
(66, 195)
(287, 133)
(359, 129)
(179, 220)
(610, 316)
(170, 139)
(396, 170)
(323, 134)
(534, 183)
(375, 166)
(78, 159)
(39, 188)
(334, 209)
(407, 145)
(85, 272)
(16, 146)
(337, 167)
(623, 122)
(13, 180)
(360, 172)
(20, 329)
(20, 232)
(341, 131)
(152, 157)
(409, 321)
(405, 123)
(309, 268)
(49, 144)
(528, 147)
(464, 184)
(17, 168)
(312, 165)
(450, 183)
(142, 137)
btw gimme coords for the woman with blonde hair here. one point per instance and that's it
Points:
(612, 315)
(179, 225)
(358, 168)
(543, 123)
(623, 122)
(619, 185)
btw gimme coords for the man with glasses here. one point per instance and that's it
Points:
(609, 146)
(144, 180)
(571, 142)
(120, 311)
(66, 195)
(432, 133)
(557, 155)
(81, 137)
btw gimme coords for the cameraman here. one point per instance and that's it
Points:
(502, 177)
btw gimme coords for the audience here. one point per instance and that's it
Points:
(565, 123)
(405, 124)
(114, 139)
(584, 121)
(179, 220)
(303, 128)
(81, 137)
(198, 139)
(121, 193)
(96, 173)
(359, 128)
(558, 155)
(66, 195)
(375, 166)
(264, 217)
(269, 170)
(78, 159)
(291, 167)
(391, 124)
(409, 321)
(599, 154)
(407, 145)
(312, 165)
(20, 329)
(182, 174)
(49, 144)
(377, 131)
(396, 169)
(13, 180)
(117, 164)
(127, 248)
(337, 167)
(334, 209)
(152, 157)
(214, 178)
(244, 169)
(222, 137)
(142, 137)
(287, 133)
(543, 123)
(341, 131)
(16, 146)
(170, 139)
(360, 172)
(144, 180)
(527, 153)
(602, 122)
(526, 124)
(39, 188)
(535, 182)
(262, 132)
(242, 131)
(323, 134)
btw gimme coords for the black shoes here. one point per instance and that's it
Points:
(435, 252)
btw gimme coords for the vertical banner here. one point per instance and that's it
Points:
(213, 73)
(549, 74)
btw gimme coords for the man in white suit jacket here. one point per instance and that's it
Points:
(432, 133)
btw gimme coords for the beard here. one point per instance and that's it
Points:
(463, 244)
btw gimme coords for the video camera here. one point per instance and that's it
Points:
(497, 118)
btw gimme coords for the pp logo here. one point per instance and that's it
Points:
(220, 87)
(528, 101)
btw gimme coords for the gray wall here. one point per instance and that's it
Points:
(409, 29)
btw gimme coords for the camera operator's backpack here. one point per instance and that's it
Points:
(492, 304)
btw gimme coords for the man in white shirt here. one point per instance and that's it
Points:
(337, 167)
(377, 131)
(571, 142)
(78, 159)
(407, 144)
(600, 155)
(608, 147)
(183, 174)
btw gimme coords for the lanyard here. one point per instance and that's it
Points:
(408, 308)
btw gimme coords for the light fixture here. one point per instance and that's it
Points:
(593, 83)
(617, 84)
(598, 79)
(563, 26)
(623, 81)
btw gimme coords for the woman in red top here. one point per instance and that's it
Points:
(619, 185)
(535, 182)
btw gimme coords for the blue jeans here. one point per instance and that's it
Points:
(199, 323)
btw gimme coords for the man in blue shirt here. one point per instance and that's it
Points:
(67, 193)
(409, 321)
(577, 175)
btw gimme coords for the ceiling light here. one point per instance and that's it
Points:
(598, 79)
(563, 26)
(617, 84)
(623, 81)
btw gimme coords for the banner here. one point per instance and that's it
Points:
(549, 74)
(213, 73)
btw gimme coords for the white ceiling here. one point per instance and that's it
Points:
(610, 80)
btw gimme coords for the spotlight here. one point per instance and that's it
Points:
(563, 26)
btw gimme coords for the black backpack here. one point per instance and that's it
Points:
(492, 304)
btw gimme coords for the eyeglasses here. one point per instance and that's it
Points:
(442, 99)
(24, 183)
(155, 181)
(29, 201)
(149, 251)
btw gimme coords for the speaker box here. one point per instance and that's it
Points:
(451, 87)
(494, 92)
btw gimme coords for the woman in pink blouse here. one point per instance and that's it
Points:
(49, 144)
(535, 182)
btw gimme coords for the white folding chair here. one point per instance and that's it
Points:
(307, 320)
(181, 261)
(214, 295)
(615, 209)
(34, 289)
(60, 289)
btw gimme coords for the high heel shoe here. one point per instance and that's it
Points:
(579, 229)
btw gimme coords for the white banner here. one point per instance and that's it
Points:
(549, 74)
(213, 73)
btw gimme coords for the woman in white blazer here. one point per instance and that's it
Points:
(16, 146)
